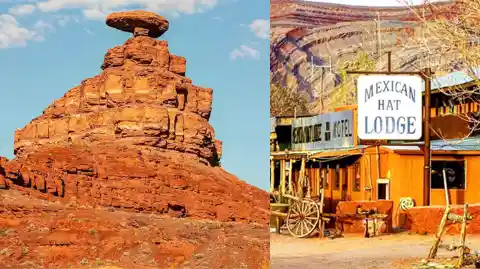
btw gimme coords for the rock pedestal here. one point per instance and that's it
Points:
(142, 98)
(135, 136)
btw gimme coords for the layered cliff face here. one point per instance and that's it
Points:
(290, 13)
(142, 98)
(135, 136)
(305, 35)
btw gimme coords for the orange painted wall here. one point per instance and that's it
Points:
(473, 184)
(406, 172)
(332, 194)
(407, 181)
(406, 177)
(457, 197)
(370, 171)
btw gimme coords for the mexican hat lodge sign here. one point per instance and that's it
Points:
(389, 107)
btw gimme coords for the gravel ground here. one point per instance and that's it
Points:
(383, 252)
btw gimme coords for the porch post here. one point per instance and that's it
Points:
(282, 177)
(290, 187)
(272, 174)
(301, 177)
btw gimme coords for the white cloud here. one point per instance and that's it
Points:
(94, 14)
(63, 20)
(261, 28)
(22, 10)
(12, 34)
(217, 18)
(98, 9)
(244, 52)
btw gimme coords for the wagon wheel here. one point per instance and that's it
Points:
(302, 218)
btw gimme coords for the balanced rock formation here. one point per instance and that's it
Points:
(141, 98)
(139, 23)
(135, 136)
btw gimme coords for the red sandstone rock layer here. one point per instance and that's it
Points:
(135, 136)
(42, 234)
(142, 98)
(310, 14)
(139, 180)
(139, 23)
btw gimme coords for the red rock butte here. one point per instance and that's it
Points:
(136, 136)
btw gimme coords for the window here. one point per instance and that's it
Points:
(356, 185)
(336, 178)
(307, 131)
(454, 172)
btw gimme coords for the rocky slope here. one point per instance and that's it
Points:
(42, 234)
(306, 34)
(134, 138)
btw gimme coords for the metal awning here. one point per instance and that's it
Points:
(318, 154)
(471, 144)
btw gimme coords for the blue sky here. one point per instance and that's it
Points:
(50, 46)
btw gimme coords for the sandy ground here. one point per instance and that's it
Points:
(389, 251)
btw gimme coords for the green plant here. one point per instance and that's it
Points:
(286, 101)
(345, 92)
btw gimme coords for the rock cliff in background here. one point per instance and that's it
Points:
(135, 136)
(306, 34)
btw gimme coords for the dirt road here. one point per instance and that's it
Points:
(391, 251)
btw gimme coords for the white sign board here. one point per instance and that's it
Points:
(327, 131)
(389, 107)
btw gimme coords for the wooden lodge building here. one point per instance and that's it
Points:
(329, 154)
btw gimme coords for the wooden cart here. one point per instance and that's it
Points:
(303, 216)
(295, 209)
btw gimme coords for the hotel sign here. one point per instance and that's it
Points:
(389, 107)
(328, 131)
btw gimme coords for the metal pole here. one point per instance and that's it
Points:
(389, 61)
(322, 94)
(426, 134)
(378, 33)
